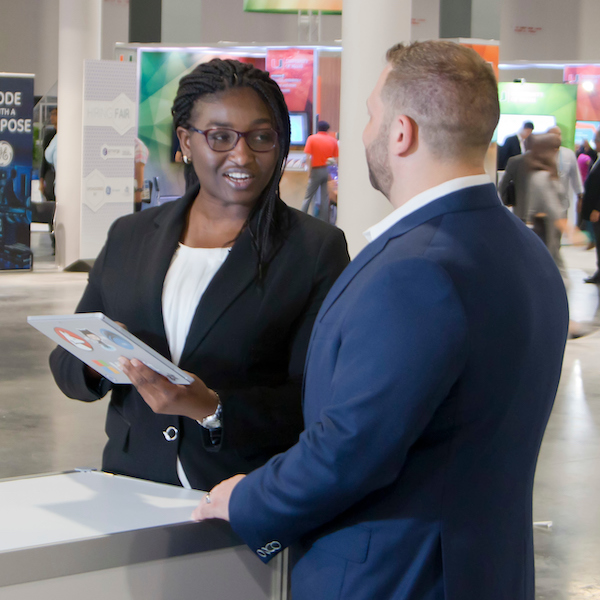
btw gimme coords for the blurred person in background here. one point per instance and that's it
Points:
(321, 148)
(586, 157)
(590, 209)
(514, 145)
(513, 185)
(545, 197)
(568, 172)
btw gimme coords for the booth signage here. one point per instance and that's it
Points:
(545, 104)
(293, 70)
(109, 118)
(293, 6)
(16, 155)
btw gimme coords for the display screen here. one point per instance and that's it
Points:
(586, 130)
(510, 124)
(299, 127)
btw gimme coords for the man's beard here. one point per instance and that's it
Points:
(378, 161)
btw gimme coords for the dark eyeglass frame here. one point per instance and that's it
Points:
(240, 134)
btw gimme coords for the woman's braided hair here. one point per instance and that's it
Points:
(218, 76)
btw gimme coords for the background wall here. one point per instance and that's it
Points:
(425, 20)
(29, 37)
(115, 25)
(533, 30)
(29, 29)
(543, 29)
(29, 40)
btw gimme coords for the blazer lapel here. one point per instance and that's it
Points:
(477, 197)
(235, 275)
(161, 244)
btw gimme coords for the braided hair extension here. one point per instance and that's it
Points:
(218, 76)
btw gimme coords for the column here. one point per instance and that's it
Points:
(145, 18)
(470, 19)
(368, 30)
(79, 25)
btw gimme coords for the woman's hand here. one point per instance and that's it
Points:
(195, 401)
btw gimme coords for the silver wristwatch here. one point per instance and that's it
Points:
(213, 421)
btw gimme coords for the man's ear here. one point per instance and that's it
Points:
(403, 136)
(184, 141)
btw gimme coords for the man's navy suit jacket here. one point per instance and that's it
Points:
(431, 372)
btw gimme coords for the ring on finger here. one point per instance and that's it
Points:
(207, 498)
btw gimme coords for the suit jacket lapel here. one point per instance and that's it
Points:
(161, 244)
(481, 196)
(235, 275)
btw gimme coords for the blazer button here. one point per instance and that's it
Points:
(171, 433)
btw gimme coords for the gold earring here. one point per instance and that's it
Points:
(187, 160)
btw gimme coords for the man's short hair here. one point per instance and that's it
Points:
(448, 90)
(528, 125)
(322, 126)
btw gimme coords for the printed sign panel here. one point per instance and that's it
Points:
(293, 70)
(109, 121)
(555, 101)
(293, 6)
(16, 154)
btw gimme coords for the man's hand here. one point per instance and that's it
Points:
(215, 505)
(195, 401)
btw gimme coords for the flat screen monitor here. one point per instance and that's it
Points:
(510, 124)
(586, 130)
(299, 127)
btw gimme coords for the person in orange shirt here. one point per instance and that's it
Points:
(319, 148)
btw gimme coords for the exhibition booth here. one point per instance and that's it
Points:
(309, 77)
(127, 101)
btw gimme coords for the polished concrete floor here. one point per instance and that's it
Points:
(42, 431)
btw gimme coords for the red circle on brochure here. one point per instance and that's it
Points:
(73, 339)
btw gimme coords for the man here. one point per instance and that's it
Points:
(427, 384)
(514, 145)
(590, 209)
(568, 172)
(319, 148)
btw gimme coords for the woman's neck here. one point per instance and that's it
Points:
(213, 224)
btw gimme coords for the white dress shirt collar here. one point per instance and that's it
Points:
(420, 200)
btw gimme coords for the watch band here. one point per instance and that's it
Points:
(213, 421)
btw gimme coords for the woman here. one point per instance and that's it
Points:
(226, 282)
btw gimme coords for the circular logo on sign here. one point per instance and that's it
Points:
(116, 339)
(6, 154)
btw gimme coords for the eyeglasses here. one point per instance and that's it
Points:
(224, 140)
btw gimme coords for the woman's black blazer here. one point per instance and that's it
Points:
(248, 341)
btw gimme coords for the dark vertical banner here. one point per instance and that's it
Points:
(16, 154)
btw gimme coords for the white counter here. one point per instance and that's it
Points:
(95, 535)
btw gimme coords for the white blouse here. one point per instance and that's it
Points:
(191, 270)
